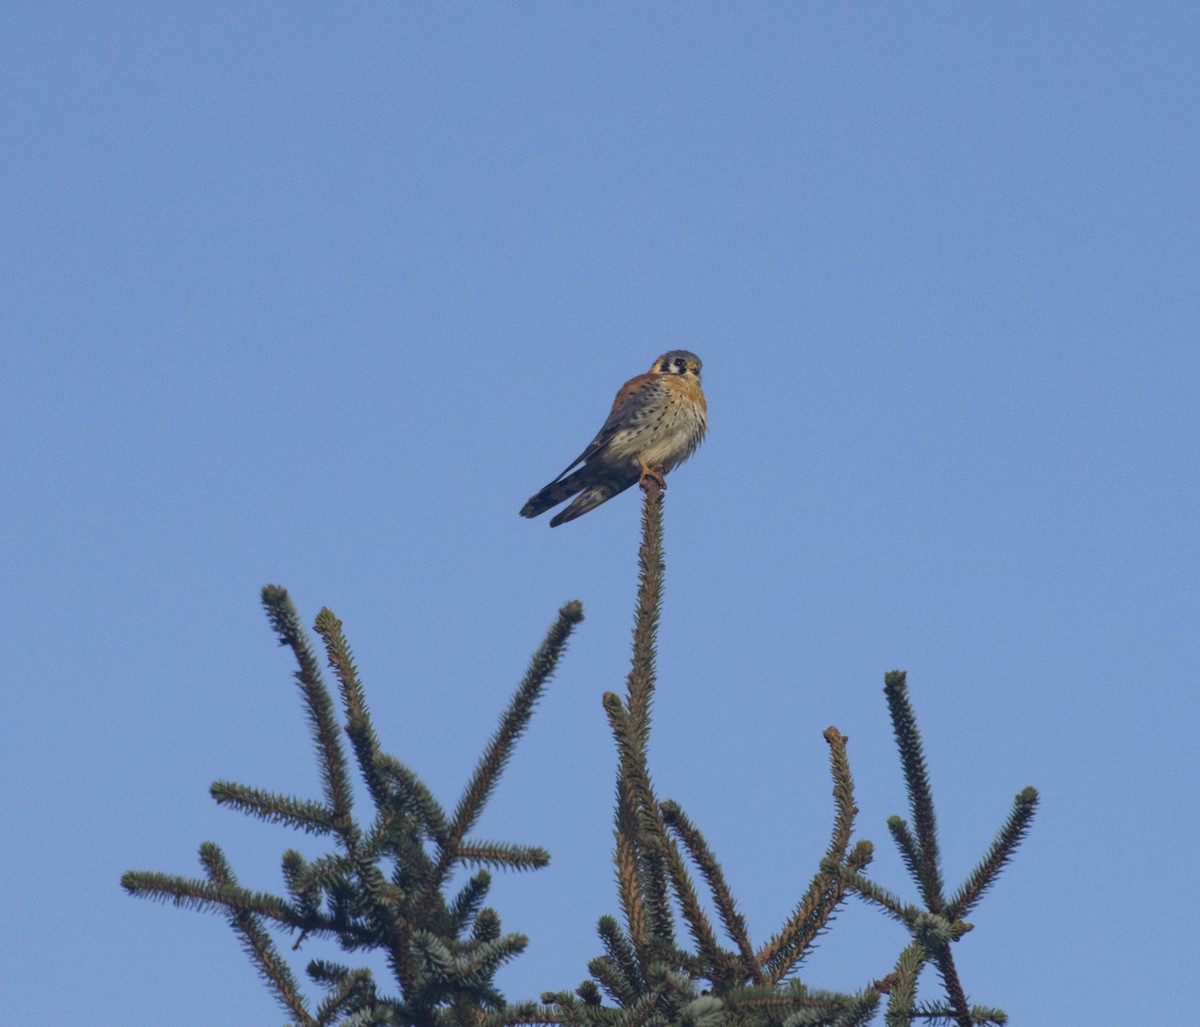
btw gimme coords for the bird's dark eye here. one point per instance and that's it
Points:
(679, 361)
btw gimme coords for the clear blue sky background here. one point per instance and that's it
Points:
(319, 294)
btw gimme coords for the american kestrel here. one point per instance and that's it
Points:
(658, 418)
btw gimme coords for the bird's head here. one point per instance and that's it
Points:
(678, 361)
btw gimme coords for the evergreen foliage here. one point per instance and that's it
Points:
(384, 887)
(676, 957)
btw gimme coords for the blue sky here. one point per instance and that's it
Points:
(319, 295)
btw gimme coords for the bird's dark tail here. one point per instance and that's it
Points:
(556, 492)
(591, 496)
(589, 499)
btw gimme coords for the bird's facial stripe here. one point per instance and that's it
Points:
(678, 362)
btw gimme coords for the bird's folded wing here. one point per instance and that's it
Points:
(635, 395)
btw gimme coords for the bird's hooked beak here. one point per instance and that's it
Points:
(692, 365)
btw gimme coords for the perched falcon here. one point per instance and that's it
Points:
(658, 418)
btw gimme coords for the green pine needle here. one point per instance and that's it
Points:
(380, 889)
(999, 853)
(916, 776)
(307, 816)
(317, 700)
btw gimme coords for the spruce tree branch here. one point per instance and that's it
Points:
(989, 1015)
(649, 602)
(654, 865)
(321, 874)
(358, 719)
(649, 1008)
(827, 889)
(611, 976)
(562, 1007)
(487, 925)
(394, 835)
(999, 853)
(860, 1010)
(641, 871)
(858, 1017)
(625, 860)
(317, 700)
(889, 902)
(496, 754)
(903, 991)
(355, 985)
(673, 983)
(843, 794)
(255, 941)
(191, 893)
(860, 856)
(810, 917)
(310, 817)
(521, 1014)
(413, 794)
(483, 960)
(639, 818)
(527, 1014)
(944, 960)
(375, 900)
(982, 1016)
(382, 907)
(504, 856)
(445, 979)
(643, 1011)
(302, 886)
(788, 995)
(499, 748)
(328, 975)
(436, 958)
(714, 958)
(469, 900)
(731, 918)
(793, 1003)
(308, 884)
(916, 776)
(910, 851)
(588, 992)
(621, 951)
(825, 1008)
(351, 936)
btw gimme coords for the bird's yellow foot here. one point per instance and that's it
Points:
(654, 474)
